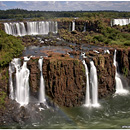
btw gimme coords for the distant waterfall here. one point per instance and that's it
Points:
(119, 85)
(106, 51)
(21, 94)
(16, 29)
(33, 28)
(91, 100)
(120, 22)
(73, 25)
(42, 84)
(84, 28)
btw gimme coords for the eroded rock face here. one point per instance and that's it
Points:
(64, 25)
(79, 25)
(123, 59)
(106, 75)
(105, 72)
(34, 78)
(65, 80)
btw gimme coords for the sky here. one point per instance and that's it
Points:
(66, 5)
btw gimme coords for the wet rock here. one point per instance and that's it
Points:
(21, 116)
(64, 81)
(34, 75)
(106, 74)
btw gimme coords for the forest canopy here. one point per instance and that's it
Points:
(20, 13)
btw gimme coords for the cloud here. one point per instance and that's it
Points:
(2, 4)
(70, 5)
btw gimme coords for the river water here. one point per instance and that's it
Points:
(113, 113)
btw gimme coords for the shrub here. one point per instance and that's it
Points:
(10, 47)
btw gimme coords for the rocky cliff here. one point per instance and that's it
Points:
(105, 72)
(80, 25)
(65, 77)
(123, 58)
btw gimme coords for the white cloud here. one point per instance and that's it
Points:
(71, 5)
(2, 4)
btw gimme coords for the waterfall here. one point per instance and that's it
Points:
(56, 27)
(120, 22)
(23, 29)
(16, 29)
(42, 84)
(119, 85)
(73, 25)
(11, 89)
(87, 98)
(106, 51)
(22, 81)
(91, 100)
(94, 84)
(84, 28)
(33, 28)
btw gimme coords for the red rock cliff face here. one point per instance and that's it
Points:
(34, 78)
(105, 72)
(106, 75)
(123, 59)
(65, 80)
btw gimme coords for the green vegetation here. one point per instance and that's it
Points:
(101, 34)
(76, 62)
(10, 47)
(83, 69)
(19, 14)
(2, 99)
(125, 71)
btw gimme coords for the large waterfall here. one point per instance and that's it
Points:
(31, 28)
(120, 22)
(91, 99)
(119, 85)
(21, 93)
(42, 84)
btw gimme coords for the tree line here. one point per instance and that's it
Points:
(21, 14)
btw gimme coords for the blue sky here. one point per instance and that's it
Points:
(66, 5)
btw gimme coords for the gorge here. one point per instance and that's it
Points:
(64, 83)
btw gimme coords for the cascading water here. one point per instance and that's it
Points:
(33, 28)
(106, 51)
(120, 22)
(94, 84)
(11, 70)
(42, 98)
(87, 98)
(73, 25)
(22, 81)
(91, 100)
(84, 28)
(119, 85)
(15, 28)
